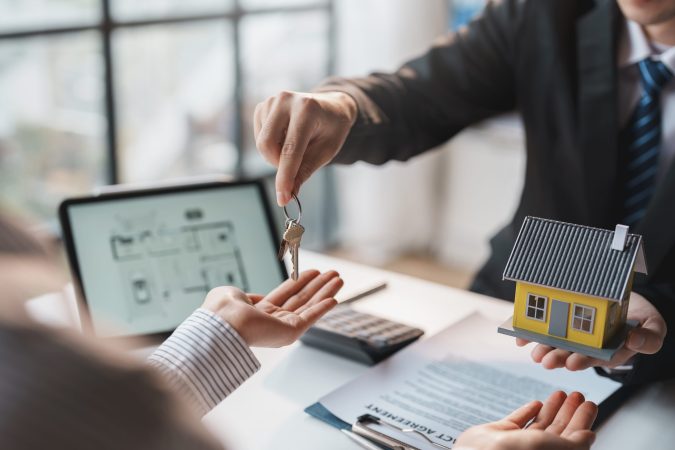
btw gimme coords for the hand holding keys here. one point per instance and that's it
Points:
(291, 239)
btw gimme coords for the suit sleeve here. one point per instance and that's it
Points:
(464, 78)
(205, 359)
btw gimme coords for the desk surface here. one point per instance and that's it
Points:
(267, 411)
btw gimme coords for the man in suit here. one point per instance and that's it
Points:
(593, 82)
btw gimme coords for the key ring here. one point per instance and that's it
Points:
(299, 211)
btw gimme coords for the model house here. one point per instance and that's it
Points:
(573, 285)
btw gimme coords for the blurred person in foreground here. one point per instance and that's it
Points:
(61, 391)
(593, 82)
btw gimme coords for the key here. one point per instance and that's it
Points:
(283, 248)
(292, 237)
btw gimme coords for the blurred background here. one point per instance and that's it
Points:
(98, 92)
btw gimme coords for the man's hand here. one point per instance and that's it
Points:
(562, 423)
(300, 133)
(279, 318)
(647, 338)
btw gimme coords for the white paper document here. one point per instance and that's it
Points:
(465, 375)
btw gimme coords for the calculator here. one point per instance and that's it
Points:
(359, 336)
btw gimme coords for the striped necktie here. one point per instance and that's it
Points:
(640, 143)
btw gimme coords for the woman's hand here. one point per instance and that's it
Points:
(561, 423)
(283, 315)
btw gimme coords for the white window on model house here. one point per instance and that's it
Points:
(536, 307)
(583, 318)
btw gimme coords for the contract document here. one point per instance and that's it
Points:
(465, 375)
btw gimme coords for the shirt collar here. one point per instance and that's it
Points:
(634, 46)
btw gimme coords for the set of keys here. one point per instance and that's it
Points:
(291, 239)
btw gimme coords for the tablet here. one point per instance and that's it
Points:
(144, 259)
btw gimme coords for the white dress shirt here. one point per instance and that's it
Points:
(205, 359)
(634, 46)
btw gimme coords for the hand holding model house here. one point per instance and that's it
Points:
(573, 295)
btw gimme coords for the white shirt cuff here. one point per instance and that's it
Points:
(205, 359)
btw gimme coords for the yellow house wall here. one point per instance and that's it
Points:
(520, 320)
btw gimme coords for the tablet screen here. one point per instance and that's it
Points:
(146, 262)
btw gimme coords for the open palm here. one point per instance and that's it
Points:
(561, 423)
(280, 317)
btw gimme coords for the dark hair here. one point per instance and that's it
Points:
(15, 240)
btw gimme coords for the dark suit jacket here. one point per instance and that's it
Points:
(554, 61)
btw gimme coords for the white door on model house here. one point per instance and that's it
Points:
(559, 317)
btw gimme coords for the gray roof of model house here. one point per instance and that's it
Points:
(575, 258)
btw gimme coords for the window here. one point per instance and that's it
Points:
(583, 318)
(52, 130)
(536, 307)
(95, 92)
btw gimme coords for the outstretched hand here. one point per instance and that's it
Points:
(301, 132)
(283, 315)
(647, 338)
(561, 423)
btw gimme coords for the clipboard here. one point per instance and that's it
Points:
(365, 426)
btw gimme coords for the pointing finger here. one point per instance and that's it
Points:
(293, 149)
(272, 132)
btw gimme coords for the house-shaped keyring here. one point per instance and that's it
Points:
(573, 284)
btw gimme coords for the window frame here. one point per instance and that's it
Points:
(536, 308)
(107, 25)
(582, 318)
